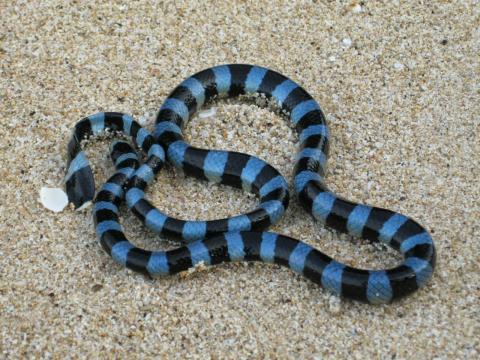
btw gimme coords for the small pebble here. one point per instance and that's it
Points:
(357, 8)
(398, 66)
(347, 42)
(334, 304)
(142, 120)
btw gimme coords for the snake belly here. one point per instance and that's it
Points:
(239, 238)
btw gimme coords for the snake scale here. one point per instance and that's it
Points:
(241, 238)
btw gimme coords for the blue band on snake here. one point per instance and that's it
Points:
(240, 238)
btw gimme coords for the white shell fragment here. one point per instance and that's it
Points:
(53, 199)
(207, 113)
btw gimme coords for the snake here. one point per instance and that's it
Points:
(242, 237)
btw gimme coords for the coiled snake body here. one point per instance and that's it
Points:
(240, 238)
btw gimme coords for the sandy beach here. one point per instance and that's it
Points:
(399, 84)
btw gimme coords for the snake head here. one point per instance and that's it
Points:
(79, 182)
(80, 187)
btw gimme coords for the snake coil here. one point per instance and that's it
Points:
(240, 238)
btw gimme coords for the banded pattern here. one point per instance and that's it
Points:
(371, 286)
(232, 239)
(221, 167)
(258, 177)
(79, 180)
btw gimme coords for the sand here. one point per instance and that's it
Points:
(398, 82)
